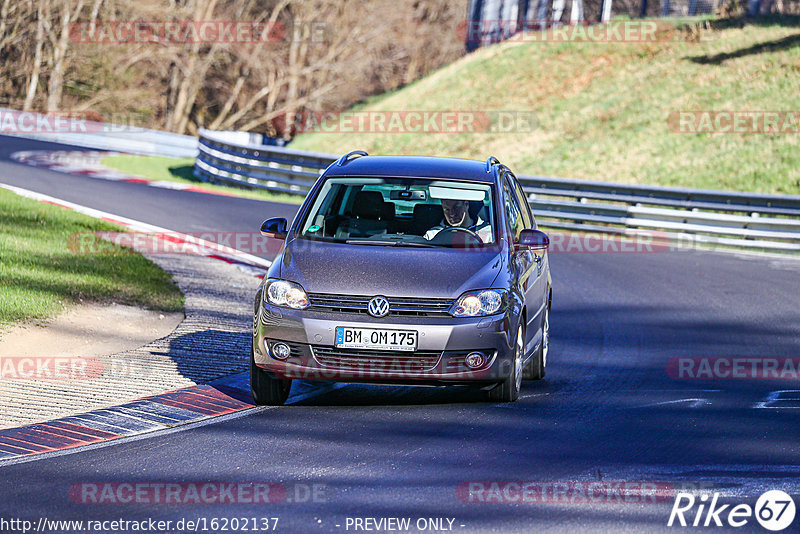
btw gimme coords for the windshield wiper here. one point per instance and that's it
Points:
(398, 243)
(413, 244)
(370, 242)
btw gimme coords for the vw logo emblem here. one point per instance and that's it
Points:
(378, 307)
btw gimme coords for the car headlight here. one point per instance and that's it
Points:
(480, 303)
(286, 294)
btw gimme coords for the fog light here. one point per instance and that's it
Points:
(280, 351)
(475, 360)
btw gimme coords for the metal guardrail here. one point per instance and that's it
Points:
(686, 216)
(107, 136)
(694, 216)
(254, 166)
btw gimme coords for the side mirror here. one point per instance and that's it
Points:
(275, 227)
(534, 239)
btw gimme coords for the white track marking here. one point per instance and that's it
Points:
(783, 395)
(693, 403)
(208, 247)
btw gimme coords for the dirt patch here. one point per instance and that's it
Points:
(88, 330)
(213, 341)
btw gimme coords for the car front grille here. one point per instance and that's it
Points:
(408, 306)
(375, 360)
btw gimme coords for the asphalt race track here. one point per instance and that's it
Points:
(611, 409)
(198, 212)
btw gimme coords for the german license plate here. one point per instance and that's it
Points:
(375, 339)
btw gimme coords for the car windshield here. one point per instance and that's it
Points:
(410, 212)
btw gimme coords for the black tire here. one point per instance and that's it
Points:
(537, 367)
(508, 389)
(266, 391)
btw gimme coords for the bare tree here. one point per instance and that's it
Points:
(33, 81)
(606, 11)
(576, 13)
(335, 53)
(190, 74)
(60, 42)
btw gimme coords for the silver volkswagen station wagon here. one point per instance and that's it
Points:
(405, 270)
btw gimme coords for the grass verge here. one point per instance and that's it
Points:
(180, 170)
(40, 275)
(601, 109)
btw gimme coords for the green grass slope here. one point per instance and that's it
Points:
(602, 109)
(43, 268)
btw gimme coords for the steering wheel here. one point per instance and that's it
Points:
(451, 229)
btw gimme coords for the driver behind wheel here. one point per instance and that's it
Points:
(456, 214)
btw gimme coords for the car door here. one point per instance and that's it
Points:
(531, 265)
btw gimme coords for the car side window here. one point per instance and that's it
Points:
(525, 207)
(513, 215)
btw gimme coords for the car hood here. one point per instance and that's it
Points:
(391, 271)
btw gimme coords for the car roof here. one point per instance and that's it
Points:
(414, 167)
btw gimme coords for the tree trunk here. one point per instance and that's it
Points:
(606, 16)
(192, 75)
(33, 81)
(474, 25)
(558, 10)
(3, 22)
(93, 16)
(56, 84)
(541, 13)
(292, 89)
(576, 14)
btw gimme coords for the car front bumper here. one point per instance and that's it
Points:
(443, 344)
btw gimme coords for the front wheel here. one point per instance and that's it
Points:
(537, 367)
(508, 389)
(266, 391)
